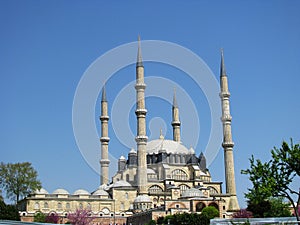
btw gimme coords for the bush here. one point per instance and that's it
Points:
(8, 212)
(39, 217)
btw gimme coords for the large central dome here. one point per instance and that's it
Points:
(170, 146)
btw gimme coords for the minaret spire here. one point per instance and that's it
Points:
(141, 138)
(227, 138)
(222, 67)
(104, 162)
(139, 61)
(175, 119)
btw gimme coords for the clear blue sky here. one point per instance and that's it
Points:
(46, 46)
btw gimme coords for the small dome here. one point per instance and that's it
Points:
(192, 192)
(60, 191)
(100, 192)
(42, 191)
(132, 151)
(81, 192)
(122, 158)
(120, 183)
(103, 187)
(150, 171)
(142, 199)
(191, 151)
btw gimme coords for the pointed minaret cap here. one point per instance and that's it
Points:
(175, 105)
(103, 94)
(139, 61)
(222, 68)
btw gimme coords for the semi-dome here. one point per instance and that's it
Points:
(81, 192)
(142, 199)
(150, 171)
(100, 192)
(192, 193)
(120, 183)
(170, 146)
(42, 191)
(60, 191)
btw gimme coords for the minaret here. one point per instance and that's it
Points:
(104, 162)
(141, 138)
(175, 119)
(227, 139)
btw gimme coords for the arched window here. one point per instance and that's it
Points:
(36, 205)
(59, 205)
(179, 175)
(122, 207)
(200, 206)
(155, 189)
(88, 206)
(46, 206)
(80, 206)
(68, 205)
(183, 187)
(214, 205)
(212, 190)
(126, 195)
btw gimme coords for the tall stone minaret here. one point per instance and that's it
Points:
(141, 138)
(227, 139)
(104, 162)
(175, 119)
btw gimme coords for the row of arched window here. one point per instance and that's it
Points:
(37, 205)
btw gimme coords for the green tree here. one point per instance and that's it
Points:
(18, 180)
(39, 217)
(274, 178)
(8, 212)
(210, 212)
(272, 207)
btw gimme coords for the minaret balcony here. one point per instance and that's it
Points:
(227, 144)
(140, 112)
(140, 86)
(104, 162)
(226, 118)
(141, 139)
(176, 123)
(104, 118)
(225, 94)
(104, 139)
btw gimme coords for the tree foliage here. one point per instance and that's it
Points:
(210, 212)
(39, 217)
(274, 178)
(272, 207)
(81, 217)
(18, 180)
(8, 212)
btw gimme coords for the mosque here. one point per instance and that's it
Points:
(160, 177)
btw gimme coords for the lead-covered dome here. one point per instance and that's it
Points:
(42, 191)
(142, 199)
(170, 146)
(81, 192)
(192, 193)
(120, 183)
(100, 192)
(60, 191)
